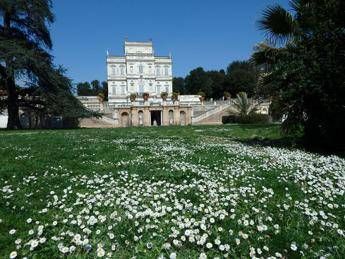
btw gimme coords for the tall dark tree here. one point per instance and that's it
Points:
(24, 42)
(241, 77)
(305, 51)
(217, 83)
(93, 89)
(179, 85)
(105, 90)
(96, 87)
(199, 81)
(84, 89)
(23, 29)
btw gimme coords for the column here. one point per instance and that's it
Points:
(135, 119)
(189, 116)
(147, 117)
(165, 116)
(177, 115)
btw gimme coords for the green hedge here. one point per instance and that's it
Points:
(248, 119)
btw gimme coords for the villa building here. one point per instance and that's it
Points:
(137, 72)
(139, 90)
(140, 93)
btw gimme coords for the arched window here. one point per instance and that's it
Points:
(124, 119)
(122, 70)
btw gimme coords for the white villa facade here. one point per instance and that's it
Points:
(139, 71)
(141, 74)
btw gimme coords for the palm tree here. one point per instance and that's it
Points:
(305, 66)
(282, 28)
(243, 105)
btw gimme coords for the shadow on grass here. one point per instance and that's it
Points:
(284, 142)
(291, 142)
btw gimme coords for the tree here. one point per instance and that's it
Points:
(24, 41)
(198, 80)
(217, 82)
(96, 87)
(93, 89)
(307, 68)
(241, 77)
(84, 89)
(105, 90)
(179, 85)
(243, 105)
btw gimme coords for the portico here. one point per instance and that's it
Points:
(162, 115)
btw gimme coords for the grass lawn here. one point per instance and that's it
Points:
(168, 192)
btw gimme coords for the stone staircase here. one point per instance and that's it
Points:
(103, 122)
(211, 116)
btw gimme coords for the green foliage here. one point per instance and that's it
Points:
(179, 85)
(243, 105)
(84, 89)
(132, 97)
(241, 77)
(227, 95)
(93, 89)
(307, 75)
(24, 41)
(56, 175)
(164, 95)
(175, 96)
(253, 118)
(278, 23)
(198, 80)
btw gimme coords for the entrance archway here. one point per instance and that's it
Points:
(124, 119)
(155, 118)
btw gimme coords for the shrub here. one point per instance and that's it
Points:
(254, 118)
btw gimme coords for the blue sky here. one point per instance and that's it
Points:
(207, 33)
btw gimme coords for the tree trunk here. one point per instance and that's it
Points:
(12, 95)
(12, 105)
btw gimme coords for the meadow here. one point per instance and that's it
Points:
(168, 192)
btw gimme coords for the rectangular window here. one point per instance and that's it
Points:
(166, 71)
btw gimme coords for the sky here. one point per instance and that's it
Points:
(206, 33)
